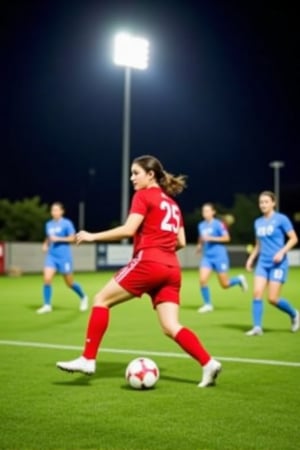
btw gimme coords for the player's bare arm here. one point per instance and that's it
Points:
(221, 239)
(253, 255)
(127, 230)
(199, 245)
(291, 242)
(45, 245)
(181, 240)
(68, 239)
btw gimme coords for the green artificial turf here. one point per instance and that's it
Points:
(255, 405)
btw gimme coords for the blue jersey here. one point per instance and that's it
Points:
(60, 228)
(213, 228)
(271, 234)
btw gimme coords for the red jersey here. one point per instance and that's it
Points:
(157, 235)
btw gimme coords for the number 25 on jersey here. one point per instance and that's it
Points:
(171, 220)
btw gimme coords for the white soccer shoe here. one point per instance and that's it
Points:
(81, 364)
(255, 331)
(295, 322)
(205, 309)
(44, 309)
(84, 304)
(243, 283)
(210, 372)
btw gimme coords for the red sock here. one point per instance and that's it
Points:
(189, 342)
(97, 326)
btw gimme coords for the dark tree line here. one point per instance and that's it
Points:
(24, 220)
(239, 219)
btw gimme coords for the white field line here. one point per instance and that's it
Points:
(267, 362)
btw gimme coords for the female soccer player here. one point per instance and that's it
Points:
(275, 236)
(60, 233)
(155, 223)
(212, 237)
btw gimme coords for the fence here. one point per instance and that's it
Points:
(28, 257)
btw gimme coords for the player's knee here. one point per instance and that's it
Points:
(224, 284)
(47, 280)
(171, 329)
(167, 332)
(257, 293)
(272, 301)
(100, 300)
(203, 282)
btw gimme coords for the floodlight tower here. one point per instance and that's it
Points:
(131, 52)
(276, 166)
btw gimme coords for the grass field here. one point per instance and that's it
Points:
(256, 404)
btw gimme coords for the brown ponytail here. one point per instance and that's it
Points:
(171, 184)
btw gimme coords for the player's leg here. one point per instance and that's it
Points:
(260, 283)
(168, 318)
(76, 287)
(111, 295)
(204, 275)
(222, 268)
(48, 274)
(277, 278)
(226, 282)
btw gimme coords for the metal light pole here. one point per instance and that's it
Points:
(126, 146)
(276, 166)
(132, 53)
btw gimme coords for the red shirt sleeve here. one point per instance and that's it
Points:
(139, 204)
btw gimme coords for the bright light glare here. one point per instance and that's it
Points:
(131, 51)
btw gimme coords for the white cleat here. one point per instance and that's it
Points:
(44, 309)
(243, 282)
(205, 309)
(84, 304)
(255, 331)
(295, 322)
(210, 372)
(81, 364)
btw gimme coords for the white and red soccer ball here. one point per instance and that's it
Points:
(142, 373)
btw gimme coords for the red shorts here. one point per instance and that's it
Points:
(160, 281)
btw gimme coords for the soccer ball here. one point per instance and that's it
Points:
(142, 373)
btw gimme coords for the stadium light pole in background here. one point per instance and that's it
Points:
(276, 166)
(131, 52)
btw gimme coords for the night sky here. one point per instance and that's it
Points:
(219, 101)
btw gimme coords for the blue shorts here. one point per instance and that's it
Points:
(219, 265)
(64, 266)
(276, 272)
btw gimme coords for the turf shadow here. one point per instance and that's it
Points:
(35, 306)
(104, 370)
(195, 308)
(243, 328)
(110, 370)
(177, 379)
(49, 320)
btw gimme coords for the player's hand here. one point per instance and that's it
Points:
(278, 257)
(206, 238)
(45, 247)
(84, 236)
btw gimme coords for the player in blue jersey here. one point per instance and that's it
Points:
(60, 233)
(214, 256)
(275, 236)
